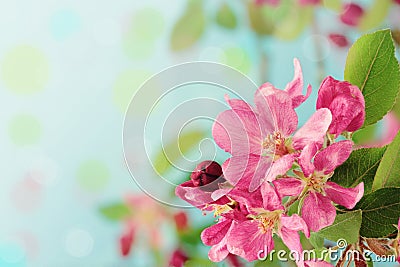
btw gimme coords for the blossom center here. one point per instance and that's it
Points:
(274, 145)
(316, 182)
(222, 209)
(268, 220)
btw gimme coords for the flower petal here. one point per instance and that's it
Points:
(347, 114)
(279, 167)
(215, 233)
(238, 132)
(314, 130)
(276, 110)
(331, 157)
(288, 186)
(247, 241)
(218, 252)
(292, 240)
(238, 104)
(245, 170)
(305, 159)
(295, 223)
(316, 203)
(295, 87)
(250, 200)
(271, 200)
(290, 236)
(347, 197)
(193, 195)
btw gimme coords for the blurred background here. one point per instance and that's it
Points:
(68, 70)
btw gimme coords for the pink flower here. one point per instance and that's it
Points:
(352, 14)
(319, 193)
(148, 223)
(252, 239)
(346, 103)
(339, 39)
(397, 1)
(259, 139)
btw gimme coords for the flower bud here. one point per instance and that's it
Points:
(352, 14)
(178, 258)
(126, 241)
(181, 221)
(338, 39)
(205, 173)
(346, 103)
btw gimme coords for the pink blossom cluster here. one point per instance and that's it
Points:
(274, 165)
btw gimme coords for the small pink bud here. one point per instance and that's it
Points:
(178, 258)
(181, 221)
(352, 14)
(338, 39)
(126, 241)
(397, 1)
(205, 173)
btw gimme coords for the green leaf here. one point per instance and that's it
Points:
(199, 263)
(192, 236)
(116, 212)
(365, 135)
(372, 66)
(294, 23)
(173, 151)
(189, 28)
(346, 226)
(388, 171)
(226, 17)
(375, 15)
(259, 22)
(316, 240)
(361, 166)
(380, 210)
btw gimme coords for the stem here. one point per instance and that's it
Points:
(290, 202)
